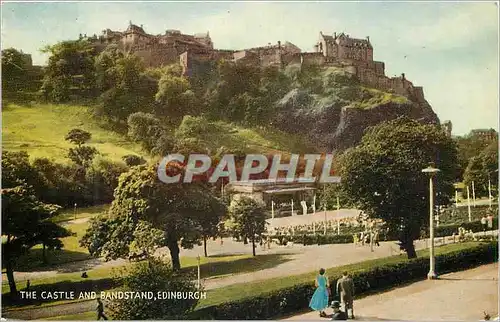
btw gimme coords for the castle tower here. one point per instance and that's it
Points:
(448, 126)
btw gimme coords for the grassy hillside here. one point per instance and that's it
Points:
(225, 137)
(40, 130)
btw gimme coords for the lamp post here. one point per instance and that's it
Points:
(431, 171)
(473, 195)
(489, 193)
(199, 275)
(75, 211)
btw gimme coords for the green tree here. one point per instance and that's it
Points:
(62, 184)
(175, 209)
(154, 276)
(101, 178)
(81, 155)
(249, 217)
(175, 97)
(483, 168)
(132, 160)
(26, 223)
(105, 68)
(14, 69)
(70, 70)
(382, 175)
(128, 89)
(78, 136)
(145, 129)
(470, 146)
(16, 169)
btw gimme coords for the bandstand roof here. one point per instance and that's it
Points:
(286, 190)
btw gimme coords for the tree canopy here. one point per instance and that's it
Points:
(14, 69)
(482, 169)
(26, 223)
(177, 212)
(70, 68)
(382, 175)
(249, 218)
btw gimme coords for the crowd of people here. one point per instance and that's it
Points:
(347, 225)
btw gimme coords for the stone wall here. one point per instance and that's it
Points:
(155, 56)
(312, 59)
(418, 91)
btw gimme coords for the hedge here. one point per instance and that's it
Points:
(456, 215)
(475, 226)
(294, 299)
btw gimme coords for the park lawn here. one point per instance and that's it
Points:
(87, 212)
(71, 251)
(85, 316)
(40, 129)
(251, 289)
(228, 263)
(94, 274)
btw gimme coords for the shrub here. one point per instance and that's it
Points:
(145, 128)
(290, 300)
(102, 178)
(133, 160)
(154, 276)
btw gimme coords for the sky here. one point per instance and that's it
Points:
(449, 48)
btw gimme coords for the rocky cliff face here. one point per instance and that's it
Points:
(353, 121)
(336, 116)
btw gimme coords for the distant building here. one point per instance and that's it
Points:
(486, 134)
(275, 194)
(448, 126)
(344, 47)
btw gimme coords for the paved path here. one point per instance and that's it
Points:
(300, 259)
(456, 296)
(304, 259)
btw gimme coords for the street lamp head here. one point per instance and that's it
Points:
(430, 170)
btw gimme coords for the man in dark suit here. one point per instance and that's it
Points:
(100, 310)
(337, 313)
(345, 288)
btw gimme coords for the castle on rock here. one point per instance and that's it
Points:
(195, 51)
